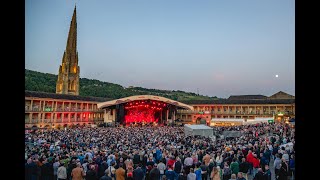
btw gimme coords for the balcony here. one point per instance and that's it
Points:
(184, 112)
(34, 121)
(47, 121)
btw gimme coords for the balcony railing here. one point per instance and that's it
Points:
(33, 121)
(62, 110)
(224, 112)
(47, 121)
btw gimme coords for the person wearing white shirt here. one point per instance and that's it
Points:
(62, 172)
(162, 167)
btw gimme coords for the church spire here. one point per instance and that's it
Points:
(72, 36)
(68, 77)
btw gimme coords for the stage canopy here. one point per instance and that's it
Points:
(143, 97)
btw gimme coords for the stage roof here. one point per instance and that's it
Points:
(143, 97)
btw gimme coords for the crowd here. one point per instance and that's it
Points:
(159, 153)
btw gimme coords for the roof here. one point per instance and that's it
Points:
(233, 97)
(281, 95)
(143, 97)
(64, 96)
(197, 126)
(241, 101)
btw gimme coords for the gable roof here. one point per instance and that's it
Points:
(241, 101)
(281, 95)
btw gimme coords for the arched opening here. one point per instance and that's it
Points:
(201, 120)
(73, 85)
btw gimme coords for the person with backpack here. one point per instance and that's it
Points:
(112, 171)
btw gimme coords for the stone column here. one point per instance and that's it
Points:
(51, 117)
(44, 105)
(31, 105)
(30, 117)
(174, 115)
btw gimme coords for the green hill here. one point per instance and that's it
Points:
(45, 82)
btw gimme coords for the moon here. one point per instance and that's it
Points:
(277, 75)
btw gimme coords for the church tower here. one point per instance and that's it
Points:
(68, 77)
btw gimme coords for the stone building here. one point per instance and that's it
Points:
(69, 71)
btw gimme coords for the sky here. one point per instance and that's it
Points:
(216, 48)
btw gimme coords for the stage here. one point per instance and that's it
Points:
(142, 110)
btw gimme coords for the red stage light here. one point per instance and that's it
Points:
(141, 113)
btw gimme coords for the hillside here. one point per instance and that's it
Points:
(45, 82)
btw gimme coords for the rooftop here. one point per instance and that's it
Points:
(241, 101)
(238, 97)
(64, 96)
